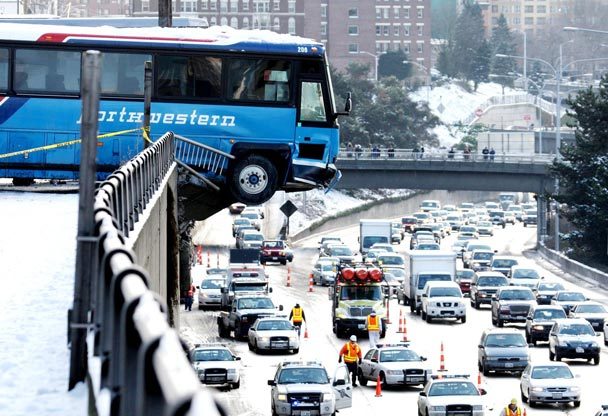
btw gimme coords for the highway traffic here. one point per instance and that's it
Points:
(318, 342)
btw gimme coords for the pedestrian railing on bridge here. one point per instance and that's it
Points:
(138, 366)
(445, 156)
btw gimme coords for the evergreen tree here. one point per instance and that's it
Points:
(481, 68)
(583, 174)
(391, 64)
(468, 40)
(503, 43)
(536, 76)
(445, 60)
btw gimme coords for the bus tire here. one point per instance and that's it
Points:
(254, 180)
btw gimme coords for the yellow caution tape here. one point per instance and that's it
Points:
(146, 134)
(68, 143)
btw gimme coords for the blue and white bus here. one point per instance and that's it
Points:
(262, 97)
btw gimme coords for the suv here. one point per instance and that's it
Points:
(484, 285)
(443, 300)
(502, 350)
(341, 251)
(539, 321)
(530, 217)
(573, 338)
(511, 304)
(480, 260)
(503, 264)
(524, 276)
(250, 239)
(303, 388)
(273, 250)
(497, 217)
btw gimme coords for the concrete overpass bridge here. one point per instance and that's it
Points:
(407, 169)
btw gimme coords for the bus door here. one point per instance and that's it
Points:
(314, 140)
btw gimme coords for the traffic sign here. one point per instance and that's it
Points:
(288, 208)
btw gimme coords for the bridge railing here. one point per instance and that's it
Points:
(143, 366)
(457, 157)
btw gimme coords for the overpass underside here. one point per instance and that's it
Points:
(447, 175)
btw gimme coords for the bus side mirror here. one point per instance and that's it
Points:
(348, 105)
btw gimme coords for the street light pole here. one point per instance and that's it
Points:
(558, 138)
(375, 62)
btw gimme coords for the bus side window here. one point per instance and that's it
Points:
(3, 69)
(205, 77)
(123, 73)
(259, 80)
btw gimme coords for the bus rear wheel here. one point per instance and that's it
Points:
(254, 180)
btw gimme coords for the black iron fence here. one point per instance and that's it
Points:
(141, 363)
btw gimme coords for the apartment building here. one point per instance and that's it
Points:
(352, 30)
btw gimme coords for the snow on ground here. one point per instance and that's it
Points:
(452, 104)
(37, 248)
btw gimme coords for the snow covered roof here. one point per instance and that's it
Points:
(222, 38)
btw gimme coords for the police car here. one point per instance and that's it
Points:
(395, 364)
(304, 388)
(215, 364)
(451, 395)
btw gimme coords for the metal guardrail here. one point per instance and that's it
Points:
(144, 366)
(460, 157)
(189, 153)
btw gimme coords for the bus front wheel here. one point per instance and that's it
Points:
(254, 180)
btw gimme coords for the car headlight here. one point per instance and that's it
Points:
(437, 408)
(574, 389)
(327, 397)
(293, 339)
(282, 397)
(341, 315)
(594, 344)
(394, 372)
(477, 407)
(537, 389)
(538, 327)
(263, 339)
(562, 343)
(232, 371)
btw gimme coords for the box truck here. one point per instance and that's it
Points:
(372, 232)
(423, 266)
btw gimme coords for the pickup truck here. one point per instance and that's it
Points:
(243, 313)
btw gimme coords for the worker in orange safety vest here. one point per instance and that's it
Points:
(373, 323)
(297, 317)
(512, 409)
(352, 357)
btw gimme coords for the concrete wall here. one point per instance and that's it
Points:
(155, 242)
(393, 209)
(573, 267)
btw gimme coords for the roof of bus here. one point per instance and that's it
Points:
(220, 38)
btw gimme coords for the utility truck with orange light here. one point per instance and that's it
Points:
(357, 290)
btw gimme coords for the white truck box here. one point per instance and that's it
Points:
(422, 266)
(374, 231)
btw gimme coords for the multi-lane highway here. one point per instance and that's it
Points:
(460, 340)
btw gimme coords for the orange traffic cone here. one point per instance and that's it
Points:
(310, 283)
(378, 387)
(288, 276)
(525, 413)
(441, 359)
(305, 331)
(400, 330)
(404, 330)
(388, 313)
(479, 379)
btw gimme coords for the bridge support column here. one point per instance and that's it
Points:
(541, 218)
